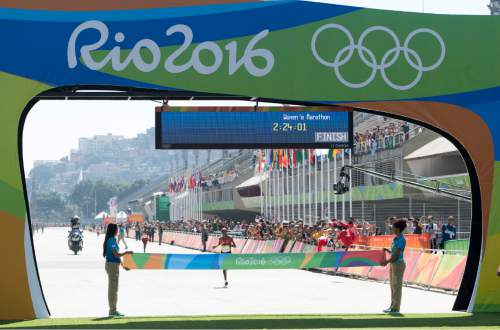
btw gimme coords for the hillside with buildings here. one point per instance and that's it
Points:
(112, 158)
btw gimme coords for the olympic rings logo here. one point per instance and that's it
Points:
(280, 261)
(368, 57)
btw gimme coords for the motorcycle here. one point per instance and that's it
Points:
(75, 240)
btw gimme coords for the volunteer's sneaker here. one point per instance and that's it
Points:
(117, 314)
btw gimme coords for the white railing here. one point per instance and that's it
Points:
(387, 142)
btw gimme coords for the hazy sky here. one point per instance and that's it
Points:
(53, 127)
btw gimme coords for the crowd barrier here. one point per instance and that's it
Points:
(288, 247)
(457, 246)
(423, 268)
(413, 241)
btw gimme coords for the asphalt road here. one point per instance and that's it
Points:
(77, 286)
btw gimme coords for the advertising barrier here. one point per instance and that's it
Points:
(135, 218)
(289, 246)
(379, 273)
(457, 246)
(425, 269)
(298, 247)
(411, 258)
(251, 246)
(441, 271)
(449, 273)
(421, 241)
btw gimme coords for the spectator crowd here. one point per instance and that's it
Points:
(388, 137)
(332, 231)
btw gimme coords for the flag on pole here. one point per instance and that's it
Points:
(332, 153)
(275, 159)
(191, 182)
(311, 156)
(269, 159)
(299, 157)
(198, 179)
(286, 158)
(260, 160)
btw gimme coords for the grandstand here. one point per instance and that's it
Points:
(304, 191)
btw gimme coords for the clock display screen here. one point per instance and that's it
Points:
(233, 128)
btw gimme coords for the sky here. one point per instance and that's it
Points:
(53, 128)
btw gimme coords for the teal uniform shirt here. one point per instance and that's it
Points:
(111, 246)
(399, 242)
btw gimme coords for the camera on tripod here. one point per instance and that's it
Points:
(342, 186)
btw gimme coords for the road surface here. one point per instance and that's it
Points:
(77, 286)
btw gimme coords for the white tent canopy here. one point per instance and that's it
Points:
(101, 216)
(121, 216)
(437, 146)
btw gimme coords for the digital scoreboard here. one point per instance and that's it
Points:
(246, 127)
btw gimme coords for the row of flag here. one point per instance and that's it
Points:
(184, 183)
(269, 159)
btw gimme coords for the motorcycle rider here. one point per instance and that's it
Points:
(75, 231)
(75, 222)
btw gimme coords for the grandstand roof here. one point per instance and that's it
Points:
(254, 180)
(436, 147)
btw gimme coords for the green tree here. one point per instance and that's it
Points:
(50, 207)
(82, 197)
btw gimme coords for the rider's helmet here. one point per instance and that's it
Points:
(75, 220)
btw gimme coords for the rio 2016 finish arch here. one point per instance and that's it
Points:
(440, 71)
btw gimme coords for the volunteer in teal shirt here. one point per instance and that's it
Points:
(397, 265)
(113, 262)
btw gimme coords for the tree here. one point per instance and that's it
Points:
(82, 196)
(50, 207)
